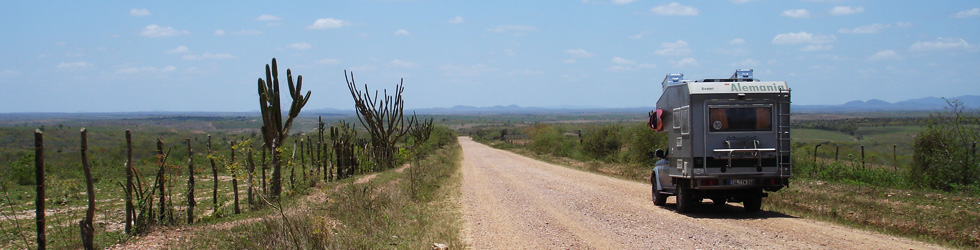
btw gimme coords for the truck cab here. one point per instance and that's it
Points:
(729, 140)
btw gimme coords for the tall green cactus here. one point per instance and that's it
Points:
(274, 131)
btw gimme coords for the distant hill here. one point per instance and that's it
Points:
(921, 104)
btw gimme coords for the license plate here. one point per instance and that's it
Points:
(741, 182)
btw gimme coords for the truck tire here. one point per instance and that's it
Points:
(685, 200)
(659, 199)
(753, 203)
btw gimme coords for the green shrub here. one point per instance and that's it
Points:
(601, 142)
(943, 155)
(23, 170)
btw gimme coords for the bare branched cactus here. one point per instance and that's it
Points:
(343, 137)
(274, 130)
(383, 118)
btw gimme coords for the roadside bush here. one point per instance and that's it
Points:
(640, 143)
(601, 142)
(23, 170)
(546, 139)
(944, 155)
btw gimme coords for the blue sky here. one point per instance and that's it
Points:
(109, 56)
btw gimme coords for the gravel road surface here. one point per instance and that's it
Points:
(514, 202)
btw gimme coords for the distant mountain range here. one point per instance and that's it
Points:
(873, 105)
(921, 104)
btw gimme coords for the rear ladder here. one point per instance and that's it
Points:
(783, 134)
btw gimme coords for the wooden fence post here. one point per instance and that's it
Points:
(251, 182)
(836, 152)
(214, 175)
(190, 183)
(130, 210)
(88, 232)
(234, 178)
(263, 171)
(895, 155)
(292, 167)
(302, 157)
(815, 152)
(39, 180)
(161, 179)
(862, 157)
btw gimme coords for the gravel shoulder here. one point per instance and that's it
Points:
(513, 202)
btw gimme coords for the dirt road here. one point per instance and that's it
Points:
(514, 202)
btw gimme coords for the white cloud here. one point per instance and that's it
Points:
(867, 29)
(640, 35)
(208, 56)
(675, 9)
(623, 1)
(747, 63)
(737, 41)
(903, 24)
(361, 68)
(569, 61)
(72, 65)
(515, 28)
(139, 12)
(942, 44)
(678, 48)
(802, 38)
(797, 13)
(268, 18)
(619, 68)
(526, 72)
(328, 23)
(620, 60)
(466, 71)
(967, 13)
(219, 33)
(247, 33)
(154, 30)
(885, 55)
(145, 70)
(329, 61)
(846, 10)
(178, 50)
(646, 66)
(578, 53)
(740, 1)
(402, 32)
(688, 62)
(817, 47)
(402, 64)
(61, 43)
(9, 73)
(455, 20)
(299, 46)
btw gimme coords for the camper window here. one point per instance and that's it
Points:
(740, 119)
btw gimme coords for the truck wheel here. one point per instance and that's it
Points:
(685, 200)
(659, 199)
(752, 203)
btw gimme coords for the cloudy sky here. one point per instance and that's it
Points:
(107, 56)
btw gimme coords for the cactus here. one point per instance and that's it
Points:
(274, 130)
(343, 137)
(383, 118)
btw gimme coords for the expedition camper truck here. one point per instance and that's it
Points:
(728, 140)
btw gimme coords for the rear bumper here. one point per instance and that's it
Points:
(769, 183)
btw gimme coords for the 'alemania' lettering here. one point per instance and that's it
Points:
(738, 87)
